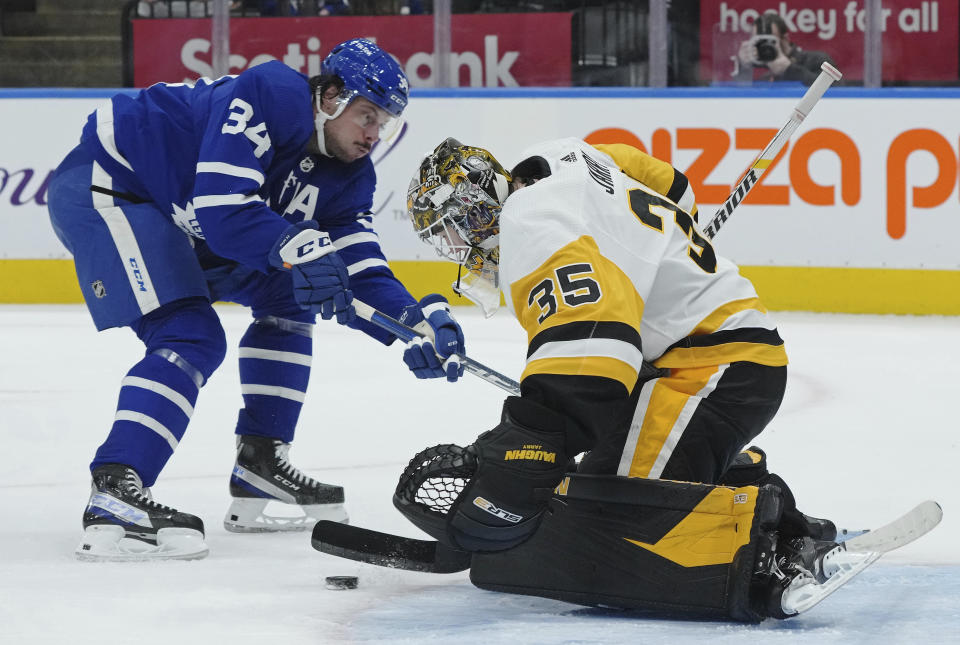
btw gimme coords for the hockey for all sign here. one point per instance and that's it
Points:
(486, 50)
(920, 37)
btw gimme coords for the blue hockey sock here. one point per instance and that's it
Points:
(156, 403)
(275, 357)
(185, 344)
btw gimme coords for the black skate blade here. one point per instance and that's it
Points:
(385, 550)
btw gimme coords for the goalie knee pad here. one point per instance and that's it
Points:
(749, 468)
(673, 547)
(490, 495)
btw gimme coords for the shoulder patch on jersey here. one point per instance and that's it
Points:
(307, 164)
(599, 172)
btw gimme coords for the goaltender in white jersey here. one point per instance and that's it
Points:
(599, 258)
(648, 355)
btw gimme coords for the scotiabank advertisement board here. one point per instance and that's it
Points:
(486, 49)
(865, 182)
(920, 37)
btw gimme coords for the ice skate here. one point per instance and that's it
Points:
(123, 523)
(270, 494)
(805, 571)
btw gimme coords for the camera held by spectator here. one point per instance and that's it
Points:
(767, 44)
(770, 47)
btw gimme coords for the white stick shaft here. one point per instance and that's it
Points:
(828, 74)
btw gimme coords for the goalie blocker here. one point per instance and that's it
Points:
(672, 547)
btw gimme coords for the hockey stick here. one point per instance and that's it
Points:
(828, 75)
(386, 550)
(406, 334)
(902, 531)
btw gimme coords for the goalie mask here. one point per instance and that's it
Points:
(454, 203)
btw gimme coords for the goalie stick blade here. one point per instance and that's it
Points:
(902, 531)
(386, 550)
(857, 553)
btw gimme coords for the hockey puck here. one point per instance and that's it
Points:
(342, 582)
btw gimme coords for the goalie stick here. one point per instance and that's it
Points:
(386, 550)
(406, 334)
(828, 74)
(850, 558)
(398, 552)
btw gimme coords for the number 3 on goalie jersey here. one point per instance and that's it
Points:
(574, 289)
(651, 210)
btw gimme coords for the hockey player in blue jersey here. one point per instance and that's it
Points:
(254, 189)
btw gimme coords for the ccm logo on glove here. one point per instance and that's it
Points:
(320, 279)
(306, 245)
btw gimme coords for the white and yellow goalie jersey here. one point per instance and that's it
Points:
(603, 270)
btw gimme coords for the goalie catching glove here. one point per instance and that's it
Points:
(320, 278)
(491, 495)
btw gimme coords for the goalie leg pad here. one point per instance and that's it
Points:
(671, 547)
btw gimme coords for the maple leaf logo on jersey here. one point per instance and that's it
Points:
(569, 158)
(307, 164)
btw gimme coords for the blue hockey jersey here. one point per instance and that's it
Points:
(204, 153)
(339, 197)
(227, 160)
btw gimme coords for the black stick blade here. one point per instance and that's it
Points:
(385, 550)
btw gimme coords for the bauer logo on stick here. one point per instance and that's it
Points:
(828, 75)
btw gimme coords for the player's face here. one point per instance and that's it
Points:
(351, 135)
(451, 237)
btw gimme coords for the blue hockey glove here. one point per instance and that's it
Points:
(320, 278)
(438, 353)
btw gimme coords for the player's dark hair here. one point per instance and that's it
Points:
(530, 170)
(323, 82)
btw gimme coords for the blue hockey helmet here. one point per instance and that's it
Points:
(368, 71)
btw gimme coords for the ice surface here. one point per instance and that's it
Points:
(868, 428)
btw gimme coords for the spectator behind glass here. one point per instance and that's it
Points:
(329, 8)
(771, 48)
